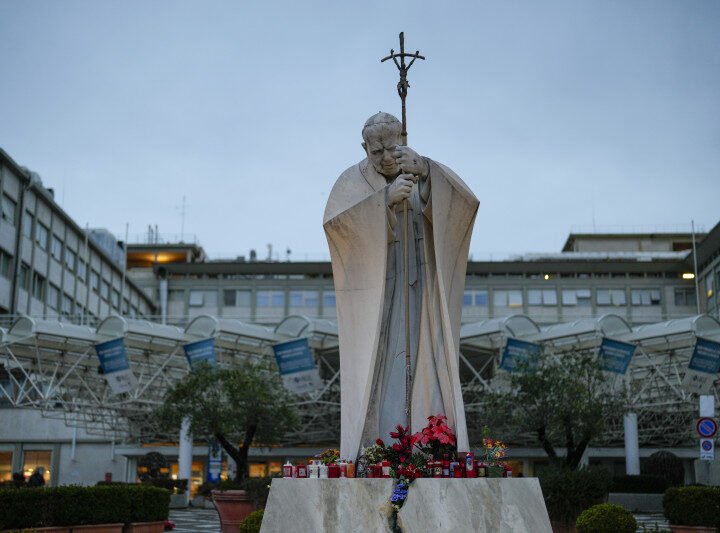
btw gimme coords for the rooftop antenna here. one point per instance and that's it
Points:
(402, 89)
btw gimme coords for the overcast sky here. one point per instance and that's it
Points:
(557, 114)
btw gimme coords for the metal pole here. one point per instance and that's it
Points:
(124, 272)
(697, 282)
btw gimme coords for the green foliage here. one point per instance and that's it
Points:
(692, 506)
(569, 492)
(606, 518)
(666, 465)
(253, 522)
(74, 505)
(642, 484)
(245, 403)
(565, 401)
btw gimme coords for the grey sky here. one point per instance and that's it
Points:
(555, 113)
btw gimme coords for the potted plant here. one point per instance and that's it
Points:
(692, 509)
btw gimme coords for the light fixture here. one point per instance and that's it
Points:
(688, 275)
(546, 276)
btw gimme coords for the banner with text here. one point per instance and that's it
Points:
(615, 356)
(519, 353)
(297, 367)
(703, 368)
(200, 351)
(115, 365)
(214, 461)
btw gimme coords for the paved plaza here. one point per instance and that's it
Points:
(192, 520)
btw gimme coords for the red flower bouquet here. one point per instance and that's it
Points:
(437, 438)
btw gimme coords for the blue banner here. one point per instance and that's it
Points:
(116, 365)
(705, 357)
(518, 352)
(293, 356)
(297, 366)
(214, 461)
(112, 355)
(615, 356)
(200, 351)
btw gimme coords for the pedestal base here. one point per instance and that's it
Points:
(448, 505)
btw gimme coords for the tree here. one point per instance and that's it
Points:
(564, 400)
(245, 403)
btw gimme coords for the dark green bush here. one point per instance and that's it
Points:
(643, 484)
(74, 505)
(667, 466)
(692, 506)
(606, 518)
(252, 523)
(567, 492)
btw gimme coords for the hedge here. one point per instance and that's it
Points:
(642, 484)
(692, 506)
(606, 518)
(75, 505)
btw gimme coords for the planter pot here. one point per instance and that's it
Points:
(98, 528)
(144, 527)
(495, 471)
(692, 529)
(232, 506)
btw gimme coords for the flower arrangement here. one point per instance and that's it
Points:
(437, 438)
(493, 452)
(329, 456)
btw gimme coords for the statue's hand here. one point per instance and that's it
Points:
(400, 188)
(411, 162)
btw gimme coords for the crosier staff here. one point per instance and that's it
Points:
(402, 88)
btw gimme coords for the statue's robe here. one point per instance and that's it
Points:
(365, 239)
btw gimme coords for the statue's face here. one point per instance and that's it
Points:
(380, 143)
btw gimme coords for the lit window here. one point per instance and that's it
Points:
(34, 460)
(5, 466)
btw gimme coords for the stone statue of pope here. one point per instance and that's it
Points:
(364, 225)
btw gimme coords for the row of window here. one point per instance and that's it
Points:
(574, 297)
(264, 299)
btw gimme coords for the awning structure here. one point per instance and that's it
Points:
(53, 366)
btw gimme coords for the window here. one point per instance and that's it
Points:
(510, 298)
(576, 297)
(94, 280)
(41, 235)
(614, 297)
(9, 209)
(105, 289)
(67, 305)
(70, 259)
(203, 299)
(176, 296)
(547, 297)
(475, 298)
(5, 466)
(81, 270)
(685, 297)
(329, 299)
(235, 298)
(5, 264)
(38, 286)
(27, 225)
(304, 299)
(24, 276)
(270, 299)
(53, 300)
(56, 248)
(39, 459)
(644, 297)
(115, 298)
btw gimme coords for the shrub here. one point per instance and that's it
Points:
(74, 505)
(692, 506)
(569, 492)
(639, 484)
(667, 466)
(606, 518)
(252, 523)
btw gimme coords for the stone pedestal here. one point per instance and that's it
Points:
(448, 505)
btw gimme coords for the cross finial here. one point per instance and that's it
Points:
(403, 84)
